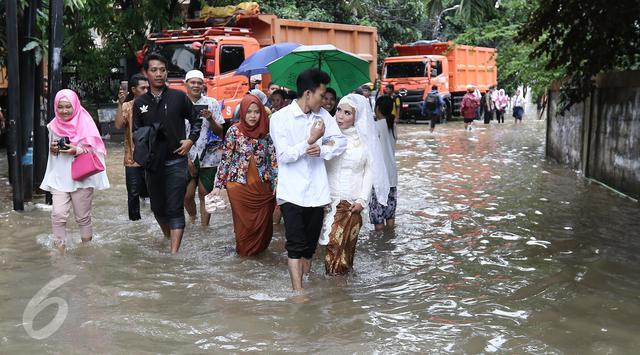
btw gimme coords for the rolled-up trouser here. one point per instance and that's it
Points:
(62, 201)
(302, 229)
(167, 188)
(136, 188)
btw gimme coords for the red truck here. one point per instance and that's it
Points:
(218, 51)
(450, 66)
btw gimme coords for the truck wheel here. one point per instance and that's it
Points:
(449, 110)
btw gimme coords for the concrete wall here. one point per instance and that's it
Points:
(601, 137)
(564, 134)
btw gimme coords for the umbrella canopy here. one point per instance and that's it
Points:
(347, 70)
(257, 62)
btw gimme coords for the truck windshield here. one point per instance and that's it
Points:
(180, 56)
(405, 70)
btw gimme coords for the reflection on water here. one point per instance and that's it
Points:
(495, 250)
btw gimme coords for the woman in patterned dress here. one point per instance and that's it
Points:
(248, 171)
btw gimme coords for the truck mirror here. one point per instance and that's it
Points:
(209, 50)
(210, 67)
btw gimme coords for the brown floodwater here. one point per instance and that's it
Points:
(496, 249)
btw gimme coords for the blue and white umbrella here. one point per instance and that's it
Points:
(257, 62)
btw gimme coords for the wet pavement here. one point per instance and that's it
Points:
(496, 249)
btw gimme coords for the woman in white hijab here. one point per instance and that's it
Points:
(351, 177)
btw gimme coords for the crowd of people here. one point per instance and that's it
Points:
(494, 103)
(315, 159)
(307, 156)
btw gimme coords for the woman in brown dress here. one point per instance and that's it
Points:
(248, 171)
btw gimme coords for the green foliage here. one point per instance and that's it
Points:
(36, 44)
(582, 38)
(121, 26)
(516, 65)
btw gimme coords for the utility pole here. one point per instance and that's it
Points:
(27, 99)
(13, 74)
(40, 140)
(56, 13)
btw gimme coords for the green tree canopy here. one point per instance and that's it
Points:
(121, 26)
(582, 38)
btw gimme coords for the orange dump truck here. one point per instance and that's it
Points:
(451, 67)
(218, 51)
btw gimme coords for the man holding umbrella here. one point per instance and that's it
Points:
(304, 135)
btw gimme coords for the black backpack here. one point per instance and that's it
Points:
(432, 101)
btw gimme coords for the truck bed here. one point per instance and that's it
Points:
(467, 64)
(360, 40)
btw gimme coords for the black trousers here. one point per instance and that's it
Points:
(167, 188)
(136, 189)
(488, 116)
(302, 229)
(433, 118)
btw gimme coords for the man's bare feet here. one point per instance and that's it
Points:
(300, 297)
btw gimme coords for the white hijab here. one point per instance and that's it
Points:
(365, 126)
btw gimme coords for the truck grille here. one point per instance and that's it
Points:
(411, 96)
(411, 103)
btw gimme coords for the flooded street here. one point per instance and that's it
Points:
(495, 250)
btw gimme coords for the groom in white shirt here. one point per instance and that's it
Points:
(298, 132)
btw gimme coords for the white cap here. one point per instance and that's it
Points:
(261, 95)
(194, 74)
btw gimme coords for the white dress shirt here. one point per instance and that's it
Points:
(302, 179)
(518, 101)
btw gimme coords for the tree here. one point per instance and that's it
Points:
(582, 38)
(397, 21)
(121, 27)
(498, 29)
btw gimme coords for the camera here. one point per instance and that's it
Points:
(62, 143)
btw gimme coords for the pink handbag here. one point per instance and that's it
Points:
(85, 165)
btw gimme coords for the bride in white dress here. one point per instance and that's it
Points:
(351, 178)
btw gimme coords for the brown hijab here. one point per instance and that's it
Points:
(261, 128)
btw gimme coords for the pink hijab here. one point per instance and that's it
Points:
(80, 128)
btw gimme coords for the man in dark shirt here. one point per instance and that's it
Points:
(389, 90)
(166, 176)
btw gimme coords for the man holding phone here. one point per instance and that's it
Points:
(206, 153)
(137, 86)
